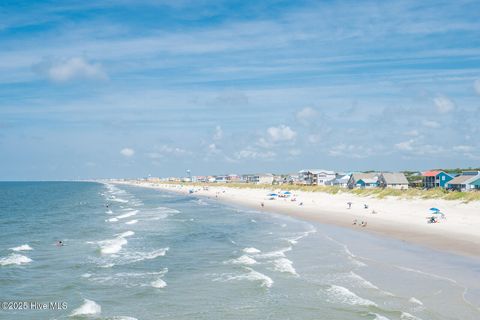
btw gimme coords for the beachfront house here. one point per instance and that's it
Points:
(363, 180)
(436, 179)
(318, 177)
(233, 178)
(258, 178)
(393, 180)
(221, 179)
(341, 180)
(467, 181)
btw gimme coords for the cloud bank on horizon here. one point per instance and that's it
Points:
(106, 89)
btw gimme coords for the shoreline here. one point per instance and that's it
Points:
(401, 219)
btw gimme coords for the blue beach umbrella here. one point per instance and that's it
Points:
(273, 194)
(287, 192)
(434, 209)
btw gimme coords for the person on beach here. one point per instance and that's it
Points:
(59, 243)
(262, 204)
(363, 224)
(354, 222)
(365, 206)
(349, 205)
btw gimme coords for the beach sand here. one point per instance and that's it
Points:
(403, 219)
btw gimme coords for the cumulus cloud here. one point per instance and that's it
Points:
(127, 152)
(251, 153)
(281, 133)
(351, 151)
(166, 150)
(443, 104)
(75, 68)
(405, 145)
(476, 86)
(416, 147)
(305, 115)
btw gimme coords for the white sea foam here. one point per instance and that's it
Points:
(295, 240)
(128, 214)
(119, 200)
(23, 247)
(363, 282)
(86, 275)
(379, 317)
(251, 250)
(140, 256)
(284, 265)
(16, 259)
(123, 318)
(408, 316)
(274, 254)
(253, 275)
(109, 212)
(112, 220)
(415, 301)
(131, 221)
(159, 283)
(115, 245)
(244, 259)
(89, 307)
(343, 295)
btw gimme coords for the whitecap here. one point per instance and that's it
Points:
(415, 301)
(89, 307)
(112, 220)
(131, 221)
(115, 245)
(23, 247)
(379, 317)
(363, 282)
(343, 295)
(16, 259)
(119, 200)
(123, 318)
(244, 259)
(159, 283)
(284, 265)
(251, 250)
(109, 212)
(408, 316)
(127, 215)
(86, 275)
(274, 254)
(253, 275)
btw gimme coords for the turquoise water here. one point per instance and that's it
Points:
(156, 255)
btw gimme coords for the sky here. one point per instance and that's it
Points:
(99, 89)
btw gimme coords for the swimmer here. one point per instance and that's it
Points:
(59, 243)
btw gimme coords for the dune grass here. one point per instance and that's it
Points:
(412, 193)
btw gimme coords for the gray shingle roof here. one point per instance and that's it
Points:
(394, 178)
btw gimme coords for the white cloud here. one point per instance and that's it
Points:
(127, 152)
(412, 133)
(431, 124)
(74, 68)
(443, 104)
(462, 148)
(281, 133)
(305, 115)
(166, 150)
(476, 86)
(405, 145)
(251, 153)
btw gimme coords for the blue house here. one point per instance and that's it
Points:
(436, 179)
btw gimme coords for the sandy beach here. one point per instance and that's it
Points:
(403, 219)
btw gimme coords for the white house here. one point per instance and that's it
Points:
(258, 178)
(318, 177)
(393, 180)
(467, 181)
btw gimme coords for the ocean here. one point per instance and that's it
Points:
(134, 253)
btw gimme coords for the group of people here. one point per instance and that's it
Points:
(361, 224)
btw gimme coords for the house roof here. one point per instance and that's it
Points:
(368, 180)
(317, 171)
(394, 178)
(432, 173)
(464, 179)
(363, 176)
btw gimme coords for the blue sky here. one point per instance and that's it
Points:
(130, 88)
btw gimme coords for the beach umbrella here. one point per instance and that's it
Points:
(434, 209)
(273, 195)
(287, 192)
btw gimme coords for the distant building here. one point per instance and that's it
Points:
(467, 181)
(258, 178)
(221, 179)
(363, 180)
(340, 181)
(232, 178)
(394, 180)
(318, 177)
(436, 179)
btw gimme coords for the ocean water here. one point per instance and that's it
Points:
(157, 255)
